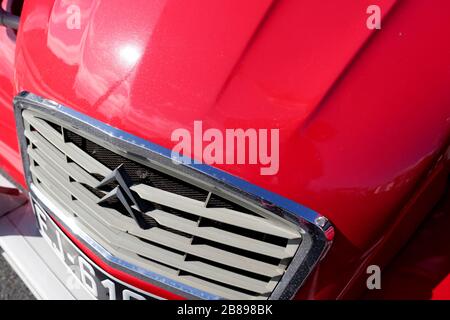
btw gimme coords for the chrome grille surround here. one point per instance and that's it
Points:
(310, 232)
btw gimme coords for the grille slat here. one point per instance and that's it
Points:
(69, 174)
(71, 169)
(219, 235)
(106, 215)
(185, 225)
(209, 252)
(219, 214)
(223, 291)
(169, 258)
(72, 151)
(177, 202)
(88, 201)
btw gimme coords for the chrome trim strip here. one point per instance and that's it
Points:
(316, 230)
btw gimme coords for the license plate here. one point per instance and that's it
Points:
(97, 282)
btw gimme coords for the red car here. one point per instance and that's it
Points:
(198, 149)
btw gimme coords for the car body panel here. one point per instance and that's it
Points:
(363, 114)
(10, 159)
(421, 270)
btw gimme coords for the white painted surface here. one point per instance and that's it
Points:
(5, 183)
(33, 259)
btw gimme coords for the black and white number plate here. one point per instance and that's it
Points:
(99, 283)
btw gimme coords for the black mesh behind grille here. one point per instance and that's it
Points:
(54, 126)
(217, 202)
(142, 174)
(137, 172)
(282, 242)
(245, 253)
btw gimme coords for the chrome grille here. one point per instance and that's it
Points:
(223, 246)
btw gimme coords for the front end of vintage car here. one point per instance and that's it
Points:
(219, 149)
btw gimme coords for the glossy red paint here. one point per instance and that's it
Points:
(363, 115)
(10, 160)
(422, 269)
(420, 203)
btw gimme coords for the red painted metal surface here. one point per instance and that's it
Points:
(422, 269)
(10, 159)
(363, 115)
